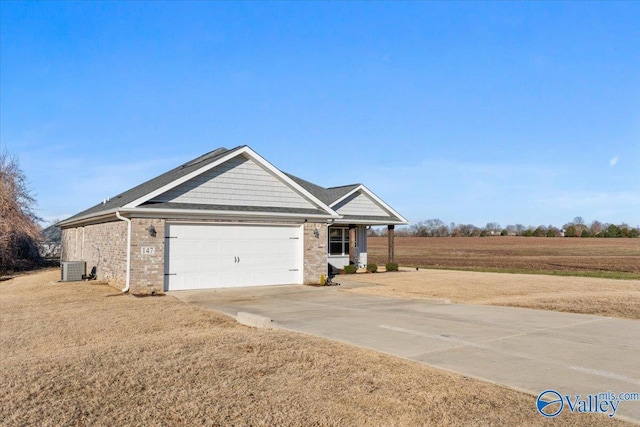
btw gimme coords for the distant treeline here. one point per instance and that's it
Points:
(575, 228)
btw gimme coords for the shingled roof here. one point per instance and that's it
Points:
(324, 196)
(153, 184)
(327, 195)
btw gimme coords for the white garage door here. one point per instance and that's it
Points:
(220, 256)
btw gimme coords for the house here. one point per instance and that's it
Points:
(225, 219)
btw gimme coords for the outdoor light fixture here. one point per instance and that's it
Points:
(316, 232)
(152, 230)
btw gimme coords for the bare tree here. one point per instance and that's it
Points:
(19, 229)
(492, 228)
(578, 221)
(402, 232)
(430, 228)
(436, 227)
(419, 230)
(468, 230)
(596, 227)
(511, 229)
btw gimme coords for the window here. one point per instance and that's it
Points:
(338, 241)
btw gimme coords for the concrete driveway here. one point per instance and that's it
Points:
(528, 350)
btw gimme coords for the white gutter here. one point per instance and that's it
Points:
(86, 218)
(126, 288)
(153, 212)
(201, 213)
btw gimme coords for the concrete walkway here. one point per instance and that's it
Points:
(528, 350)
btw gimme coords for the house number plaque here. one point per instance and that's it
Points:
(147, 250)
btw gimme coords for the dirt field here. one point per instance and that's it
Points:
(84, 354)
(586, 295)
(521, 254)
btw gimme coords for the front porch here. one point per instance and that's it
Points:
(347, 245)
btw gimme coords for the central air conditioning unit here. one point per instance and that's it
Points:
(72, 271)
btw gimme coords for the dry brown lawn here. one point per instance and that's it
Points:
(83, 354)
(587, 295)
(541, 254)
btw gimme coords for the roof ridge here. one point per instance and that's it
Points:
(204, 157)
(344, 186)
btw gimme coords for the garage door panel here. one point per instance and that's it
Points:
(212, 256)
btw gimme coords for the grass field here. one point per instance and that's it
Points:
(586, 295)
(611, 258)
(84, 354)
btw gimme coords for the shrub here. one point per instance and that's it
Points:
(613, 231)
(391, 266)
(504, 232)
(372, 268)
(539, 232)
(350, 269)
(585, 233)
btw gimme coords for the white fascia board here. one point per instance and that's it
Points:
(377, 199)
(193, 213)
(95, 217)
(369, 222)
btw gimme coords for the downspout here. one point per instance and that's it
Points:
(126, 288)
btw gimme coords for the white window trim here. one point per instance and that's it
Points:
(344, 241)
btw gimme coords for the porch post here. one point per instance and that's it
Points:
(353, 256)
(391, 235)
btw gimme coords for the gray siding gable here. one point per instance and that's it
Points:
(360, 205)
(237, 182)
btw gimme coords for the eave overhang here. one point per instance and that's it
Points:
(200, 214)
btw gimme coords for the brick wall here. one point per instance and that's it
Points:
(315, 252)
(100, 245)
(147, 256)
(104, 246)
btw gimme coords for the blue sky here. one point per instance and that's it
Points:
(508, 112)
